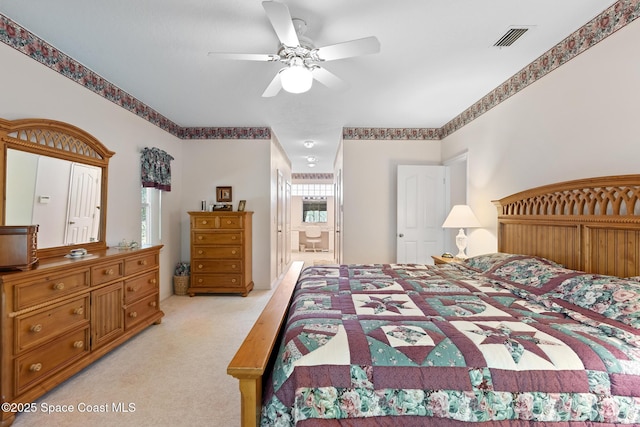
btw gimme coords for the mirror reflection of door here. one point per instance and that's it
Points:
(83, 213)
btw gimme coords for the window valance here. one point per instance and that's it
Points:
(156, 168)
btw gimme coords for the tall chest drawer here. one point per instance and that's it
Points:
(217, 266)
(217, 238)
(35, 328)
(50, 287)
(226, 252)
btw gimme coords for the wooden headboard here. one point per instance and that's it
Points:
(588, 224)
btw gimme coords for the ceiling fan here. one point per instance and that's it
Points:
(299, 55)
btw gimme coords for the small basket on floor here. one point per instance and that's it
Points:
(180, 285)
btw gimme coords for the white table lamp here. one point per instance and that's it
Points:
(461, 216)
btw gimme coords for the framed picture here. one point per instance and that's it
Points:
(241, 205)
(223, 194)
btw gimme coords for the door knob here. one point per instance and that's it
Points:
(400, 235)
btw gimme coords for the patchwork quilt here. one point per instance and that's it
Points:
(449, 345)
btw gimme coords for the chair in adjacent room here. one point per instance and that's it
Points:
(313, 235)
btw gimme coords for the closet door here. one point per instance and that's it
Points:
(421, 210)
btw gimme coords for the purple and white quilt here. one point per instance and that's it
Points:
(492, 341)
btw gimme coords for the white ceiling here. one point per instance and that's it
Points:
(437, 58)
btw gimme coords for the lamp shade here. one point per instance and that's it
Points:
(461, 216)
(296, 78)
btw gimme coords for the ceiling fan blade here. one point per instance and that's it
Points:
(348, 49)
(328, 79)
(273, 88)
(264, 57)
(278, 14)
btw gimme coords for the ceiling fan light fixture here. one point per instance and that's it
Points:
(309, 143)
(296, 78)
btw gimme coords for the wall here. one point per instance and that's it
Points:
(234, 163)
(579, 121)
(280, 164)
(33, 90)
(369, 189)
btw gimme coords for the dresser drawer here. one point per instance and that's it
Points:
(217, 266)
(34, 329)
(37, 364)
(106, 273)
(204, 222)
(139, 311)
(222, 238)
(141, 263)
(140, 286)
(225, 252)
(50, 287)
(216, 280)
(231, 222)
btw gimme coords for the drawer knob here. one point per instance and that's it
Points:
(233, 237)
(152, 304)
(233, 280)
(200, 252)
(78, 344)
(200, 266)
(200, 237)
(200, 280)
(108, 272)
(35, 367)
(152, 281)
(78, 310)
(132, 289)
(58, 286)
(142, 262)
(133, 314)
(233, 266)
(36, 328)
(233, 252)
(228, 221)
(204, 221)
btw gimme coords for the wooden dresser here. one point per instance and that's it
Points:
(221, 252)
(63, 314)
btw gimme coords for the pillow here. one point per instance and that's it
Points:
(488, 262)
(609, 296)
(538, 275)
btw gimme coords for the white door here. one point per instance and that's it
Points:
(421, 210)
(83, 211)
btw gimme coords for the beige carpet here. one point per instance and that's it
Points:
(173, 374)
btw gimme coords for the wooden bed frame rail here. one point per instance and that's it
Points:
(252, 358)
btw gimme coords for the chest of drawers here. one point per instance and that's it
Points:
(221, 252)
(64, 314)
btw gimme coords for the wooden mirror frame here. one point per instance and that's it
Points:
(63, 141)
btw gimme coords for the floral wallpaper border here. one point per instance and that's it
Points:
(606, 23)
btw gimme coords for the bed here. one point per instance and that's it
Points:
(542, 332)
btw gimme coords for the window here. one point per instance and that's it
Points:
(314, 211)
(150, 216)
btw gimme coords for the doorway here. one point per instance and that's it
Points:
(312, 208)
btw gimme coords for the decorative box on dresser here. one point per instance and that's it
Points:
(63, 314)
(221, 252)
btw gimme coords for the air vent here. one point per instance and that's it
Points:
(510, 37)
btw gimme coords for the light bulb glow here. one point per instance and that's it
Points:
(296, 78)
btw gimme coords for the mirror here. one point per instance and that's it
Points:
(54, 175)
(62, 197)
